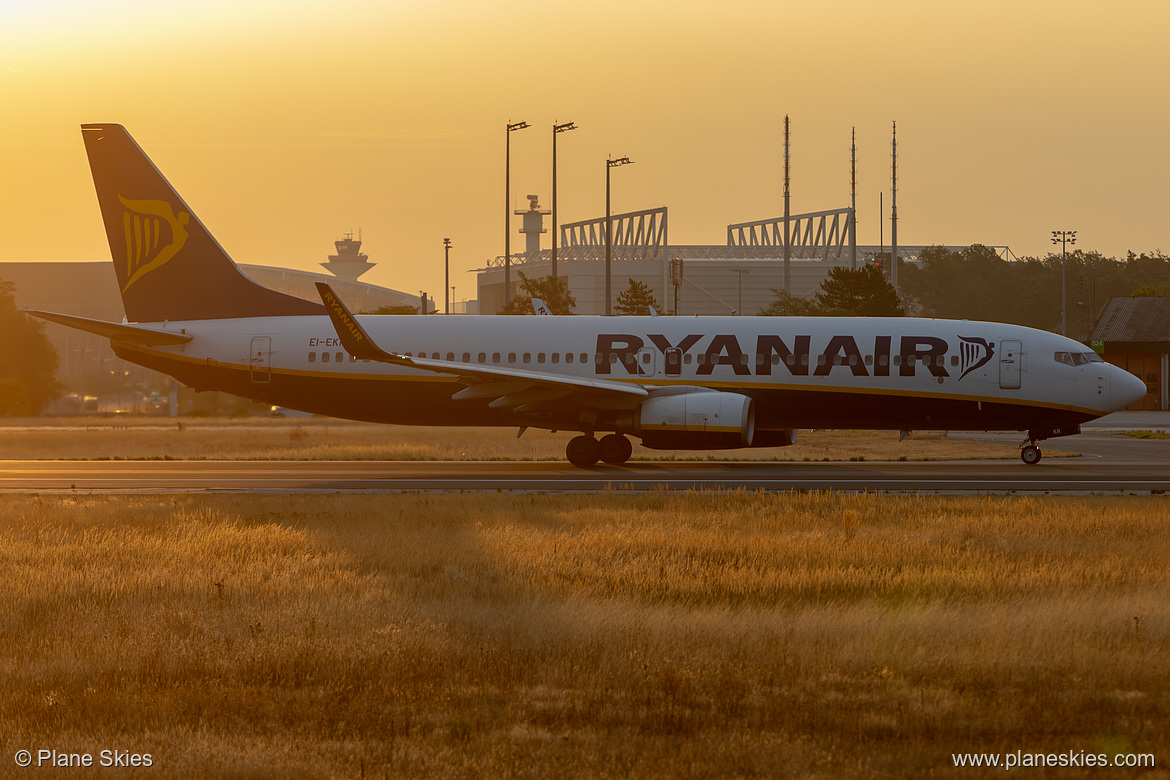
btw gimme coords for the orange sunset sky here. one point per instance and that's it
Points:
(286, 124)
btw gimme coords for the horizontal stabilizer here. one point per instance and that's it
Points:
(130, 334)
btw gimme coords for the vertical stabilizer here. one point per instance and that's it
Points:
(169, 267)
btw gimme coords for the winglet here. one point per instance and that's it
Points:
(353, 336)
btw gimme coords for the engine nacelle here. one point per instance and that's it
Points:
(696, 421)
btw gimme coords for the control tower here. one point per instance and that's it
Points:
(533, 224)
(349, 262)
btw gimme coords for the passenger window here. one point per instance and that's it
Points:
(954, 360)
(585, 357)
(789, 359)
(820, 360)
(511, 357)
(324, 357)
(804, 359)
(539, 357)
(527, 357)
(434, 355)
(897, 360)
(556, 357)
(701, 359)
(926, 360)
(883, 360)
(338, 357)
(495, 357)
(869, 360)
(482, 357)
(743, 358)
(568, 357)
(630, 359)
(312, 357)
(645, 357)
(687, 358)
(853, 360)
(613, 359)
(451, 357)
(466, 357)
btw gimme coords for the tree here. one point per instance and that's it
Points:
(863, 292)
(636, 300)
(788, 305)
(28, 362)
(553, 291)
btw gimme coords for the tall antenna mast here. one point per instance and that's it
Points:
(787, 213)
(894, 213)
(853, 191)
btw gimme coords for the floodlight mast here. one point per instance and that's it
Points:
(610, 163)
(1063, 237)
(512, 127)
(557, 130)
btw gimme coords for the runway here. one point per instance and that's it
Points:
(1056, 475)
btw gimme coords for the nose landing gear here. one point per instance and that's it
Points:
(1030, 453)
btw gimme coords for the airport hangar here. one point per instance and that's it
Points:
(737, 277)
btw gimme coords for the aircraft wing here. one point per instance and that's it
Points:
(510, 388)
(130, 334)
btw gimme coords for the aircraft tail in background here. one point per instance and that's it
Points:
(169, 266)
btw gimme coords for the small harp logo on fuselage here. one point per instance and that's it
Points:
(154, 235)
(973, 353)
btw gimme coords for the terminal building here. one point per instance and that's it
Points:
(739, 276)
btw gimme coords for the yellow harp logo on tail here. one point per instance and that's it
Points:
(143, 222)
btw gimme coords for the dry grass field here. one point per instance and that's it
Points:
(654, 636)
(319, 439)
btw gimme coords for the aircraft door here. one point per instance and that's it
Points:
(261, 359)
(1011, 359)
(673, 361)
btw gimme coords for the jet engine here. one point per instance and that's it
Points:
(696, 421)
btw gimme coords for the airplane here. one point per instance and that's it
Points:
(696, 383)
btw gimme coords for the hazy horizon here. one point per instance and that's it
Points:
(285, 126)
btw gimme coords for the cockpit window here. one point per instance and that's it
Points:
(1077, 358)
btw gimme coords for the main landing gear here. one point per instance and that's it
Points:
(584, 451)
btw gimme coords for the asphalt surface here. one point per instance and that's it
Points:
(1092, 474)
(1107, 463)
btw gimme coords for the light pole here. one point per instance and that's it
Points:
(610, 163)
(512, 126)
(1063, 237)
(557, 130)
(447, 273)
(741, 272)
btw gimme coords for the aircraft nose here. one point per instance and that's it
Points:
(1124, 388)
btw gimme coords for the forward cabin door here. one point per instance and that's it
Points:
(261, 359)
(1010, 361)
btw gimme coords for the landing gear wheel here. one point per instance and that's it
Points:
(583, 451)
(1030, 454)
(615, 449)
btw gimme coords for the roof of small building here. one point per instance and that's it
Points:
(1144, 319)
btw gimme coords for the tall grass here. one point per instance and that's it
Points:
(661, 635)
